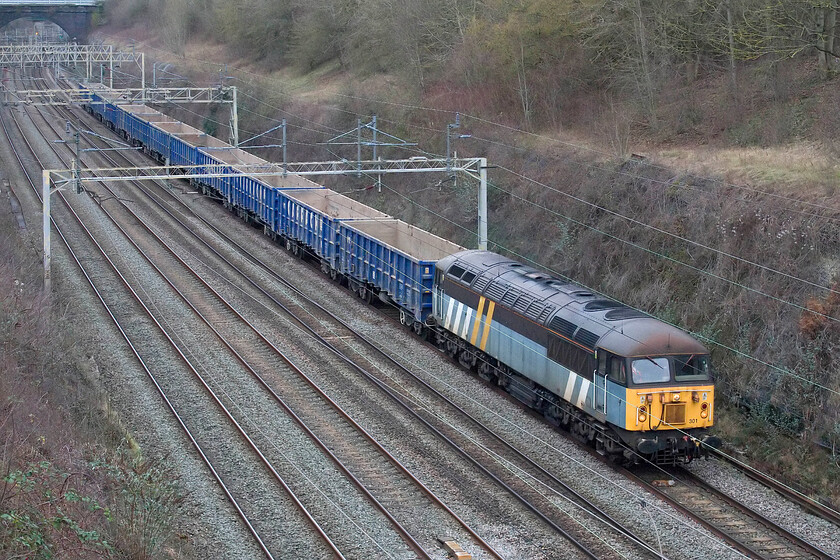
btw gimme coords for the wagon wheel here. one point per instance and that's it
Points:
(333, 273)
(419, 329)
(403, 318)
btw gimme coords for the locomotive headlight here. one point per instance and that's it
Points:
(675, 397)
(704, 410)
(642, 414)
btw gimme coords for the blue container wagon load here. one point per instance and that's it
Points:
(310, 222)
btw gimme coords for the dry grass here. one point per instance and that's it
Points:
(62, 470)
(805, 169)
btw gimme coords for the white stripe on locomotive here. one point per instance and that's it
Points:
(570, 385)
(580, 402)
(448, 321)
(465, 332)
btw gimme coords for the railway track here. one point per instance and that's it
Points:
(105, 295)
(332, 339)
(539, 487)
(212, 436)
(792, 495)
(743, 528)
(115, 195)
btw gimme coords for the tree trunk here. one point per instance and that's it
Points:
(822, 59)
(830, 31)
(647, 72)
(730, 32)
(524, 98)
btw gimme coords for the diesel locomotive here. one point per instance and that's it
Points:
(636, 388)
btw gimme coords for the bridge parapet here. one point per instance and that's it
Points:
(50, 2)
(74, 16)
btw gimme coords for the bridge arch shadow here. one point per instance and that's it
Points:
(75, 20)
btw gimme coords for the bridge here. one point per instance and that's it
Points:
(73, 16)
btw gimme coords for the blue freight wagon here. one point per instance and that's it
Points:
(168, 141)
(376, 253)
(308, 218)
(396, 259)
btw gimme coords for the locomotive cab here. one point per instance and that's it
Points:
(668, 402)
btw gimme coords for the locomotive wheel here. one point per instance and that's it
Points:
(451, 348)
(487, 372)
(465, 358)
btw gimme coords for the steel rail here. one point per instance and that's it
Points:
(178, 350)
(805, 502)
(134, 350)
(794, 540)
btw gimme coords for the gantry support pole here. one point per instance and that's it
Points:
(482, 204)
(234, 122)
(47, 256)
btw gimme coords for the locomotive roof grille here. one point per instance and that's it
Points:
(481, 283)
(510, 297)
(564, 327)
(587, 338)
(624, 313)
(546, 313)
(522, 303)
(496, 290)
(601, 305)
(535, 310)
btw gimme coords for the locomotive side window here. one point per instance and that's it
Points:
(692, 368)
(618, 373)
(651, 370)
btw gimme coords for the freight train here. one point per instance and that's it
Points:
(633, 387)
